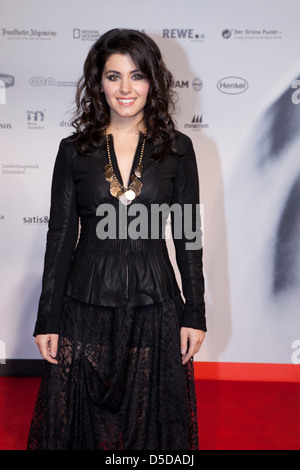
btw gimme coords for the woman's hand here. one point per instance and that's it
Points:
(191, 341)
(47, 345)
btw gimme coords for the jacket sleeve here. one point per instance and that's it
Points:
(60, 243)
(187, 237)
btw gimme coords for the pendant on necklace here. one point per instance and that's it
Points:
(123, 199)
(138, 171)
(124, 195)
(129, 194)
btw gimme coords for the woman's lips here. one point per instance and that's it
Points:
(126, 101)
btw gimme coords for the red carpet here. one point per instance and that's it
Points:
(232, 415)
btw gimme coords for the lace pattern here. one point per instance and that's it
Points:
(119, 384)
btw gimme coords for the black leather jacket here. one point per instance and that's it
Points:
(118, 271)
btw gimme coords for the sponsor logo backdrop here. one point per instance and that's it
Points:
(236, 70)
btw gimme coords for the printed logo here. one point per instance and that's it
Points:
(41, 81)
(49, 82)
(65, 124)
(17, 168)
(35, 119)
(196, 84)
(89, 34)
(232, 85)
(181, 84)
(196, 123)
(2, 92)
(189, 34)
(8, 80)
(28, 34)
(36, 220)
(252, 33)
(226, 33)
(86, 34)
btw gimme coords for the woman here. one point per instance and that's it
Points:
(116, 335)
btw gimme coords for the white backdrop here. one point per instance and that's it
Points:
(235, 63)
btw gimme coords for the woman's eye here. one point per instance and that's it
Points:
(113, 77)
(138, 76)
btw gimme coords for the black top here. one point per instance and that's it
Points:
(122, 271)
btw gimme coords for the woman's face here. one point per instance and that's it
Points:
(125, 88)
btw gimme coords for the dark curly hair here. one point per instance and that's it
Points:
(93, 114)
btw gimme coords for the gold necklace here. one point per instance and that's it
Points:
(125, 194)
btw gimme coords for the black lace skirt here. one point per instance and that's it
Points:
(119, 384)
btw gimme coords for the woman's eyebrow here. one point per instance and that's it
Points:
(115, 71)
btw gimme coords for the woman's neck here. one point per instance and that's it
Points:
(128, 127)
